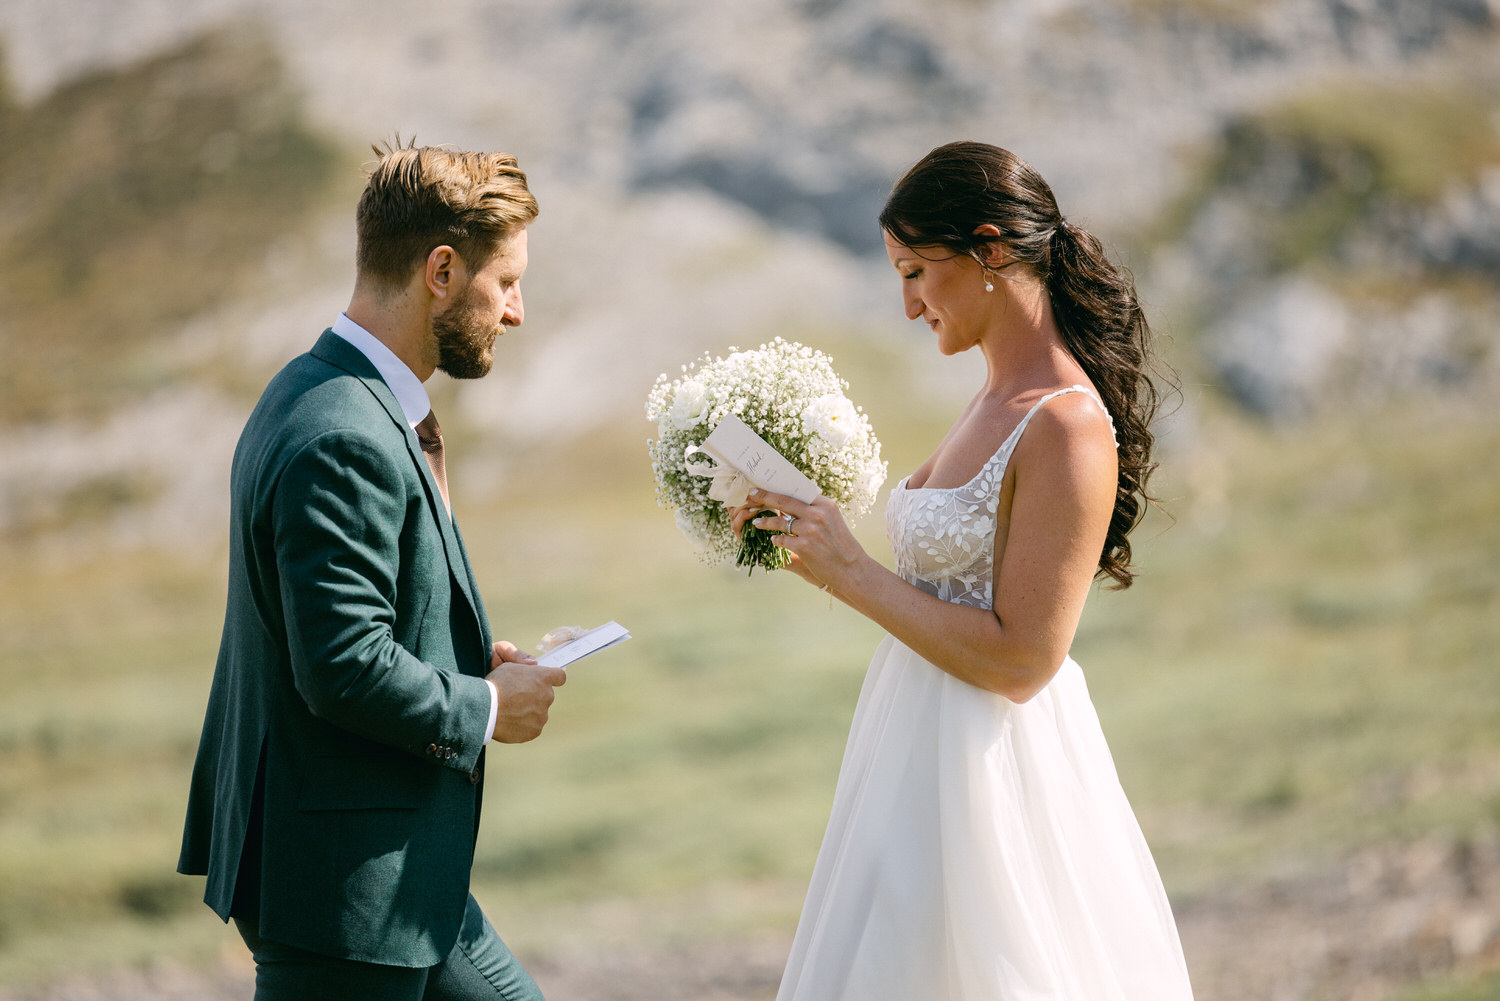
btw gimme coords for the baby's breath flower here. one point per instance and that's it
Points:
(787, 393)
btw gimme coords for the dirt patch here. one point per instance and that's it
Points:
(1378, 922)
(1364, 929)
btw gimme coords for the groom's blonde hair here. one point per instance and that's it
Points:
(421, 197)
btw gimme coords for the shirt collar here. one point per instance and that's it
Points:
(403, 382)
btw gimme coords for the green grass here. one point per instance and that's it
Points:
(1481, 988)
(1226, 12)
(1306, 664)
(101, 665)
(1314, 664)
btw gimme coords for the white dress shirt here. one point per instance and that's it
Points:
(415, 406)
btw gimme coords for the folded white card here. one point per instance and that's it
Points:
(735, 445)
(579, 647)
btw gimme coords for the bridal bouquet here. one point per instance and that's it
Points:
(790, 396)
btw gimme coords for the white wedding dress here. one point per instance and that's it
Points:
(978, 849)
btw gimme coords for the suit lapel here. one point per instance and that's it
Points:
(338, 352)
(484, 620)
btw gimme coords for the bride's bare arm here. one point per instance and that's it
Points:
(1064, 491)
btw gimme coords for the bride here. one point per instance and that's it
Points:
(980, 847)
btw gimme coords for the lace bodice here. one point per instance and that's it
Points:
(944, 537)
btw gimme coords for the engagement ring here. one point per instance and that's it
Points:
(789, 519)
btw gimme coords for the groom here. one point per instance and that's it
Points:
(335, 798)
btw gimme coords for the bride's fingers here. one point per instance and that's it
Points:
(773, 523)
(755, 516)
(740, 515)
(782, 503)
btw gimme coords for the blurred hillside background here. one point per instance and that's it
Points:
(1301, 692)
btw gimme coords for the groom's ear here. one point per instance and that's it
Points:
(442, 270)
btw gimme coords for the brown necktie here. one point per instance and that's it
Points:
(430, 437)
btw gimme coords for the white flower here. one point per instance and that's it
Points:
(788, 394)
(831, 417)
(688, 404)
(694, 532)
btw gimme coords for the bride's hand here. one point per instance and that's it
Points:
(739, 515)
(822, 547)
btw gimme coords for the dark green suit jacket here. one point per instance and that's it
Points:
(337, 786)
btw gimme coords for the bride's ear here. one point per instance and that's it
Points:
(993, 251)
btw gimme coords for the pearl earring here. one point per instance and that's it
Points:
(989, 282)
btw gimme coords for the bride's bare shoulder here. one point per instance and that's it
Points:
(1073, 427)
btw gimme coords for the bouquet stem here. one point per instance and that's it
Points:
(757, 550)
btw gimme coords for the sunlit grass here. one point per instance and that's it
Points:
(1480, 988)
(1316, 667)
(1225, 12)
(1306, 664)
(101, 666)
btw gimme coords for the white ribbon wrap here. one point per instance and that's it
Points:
(729, 486)
(557, 637)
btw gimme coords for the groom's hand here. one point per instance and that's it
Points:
(525, 689)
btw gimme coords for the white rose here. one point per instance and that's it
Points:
(691, 529)
(831, 417)
(689, 404)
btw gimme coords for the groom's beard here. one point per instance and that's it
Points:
(466, 347)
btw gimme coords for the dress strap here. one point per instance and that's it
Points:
(1016, 434)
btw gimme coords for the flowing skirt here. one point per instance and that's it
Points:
(981, 850)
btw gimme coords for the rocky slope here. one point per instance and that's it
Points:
(800, 109)
(709, 174)
(1344, 245)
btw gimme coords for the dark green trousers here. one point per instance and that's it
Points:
(480, 968)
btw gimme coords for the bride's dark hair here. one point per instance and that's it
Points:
(961, 186)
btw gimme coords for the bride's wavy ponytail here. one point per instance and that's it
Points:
(1103, 326)
(961, 186)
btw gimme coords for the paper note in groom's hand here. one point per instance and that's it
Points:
(735, 445)
(581, 646)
